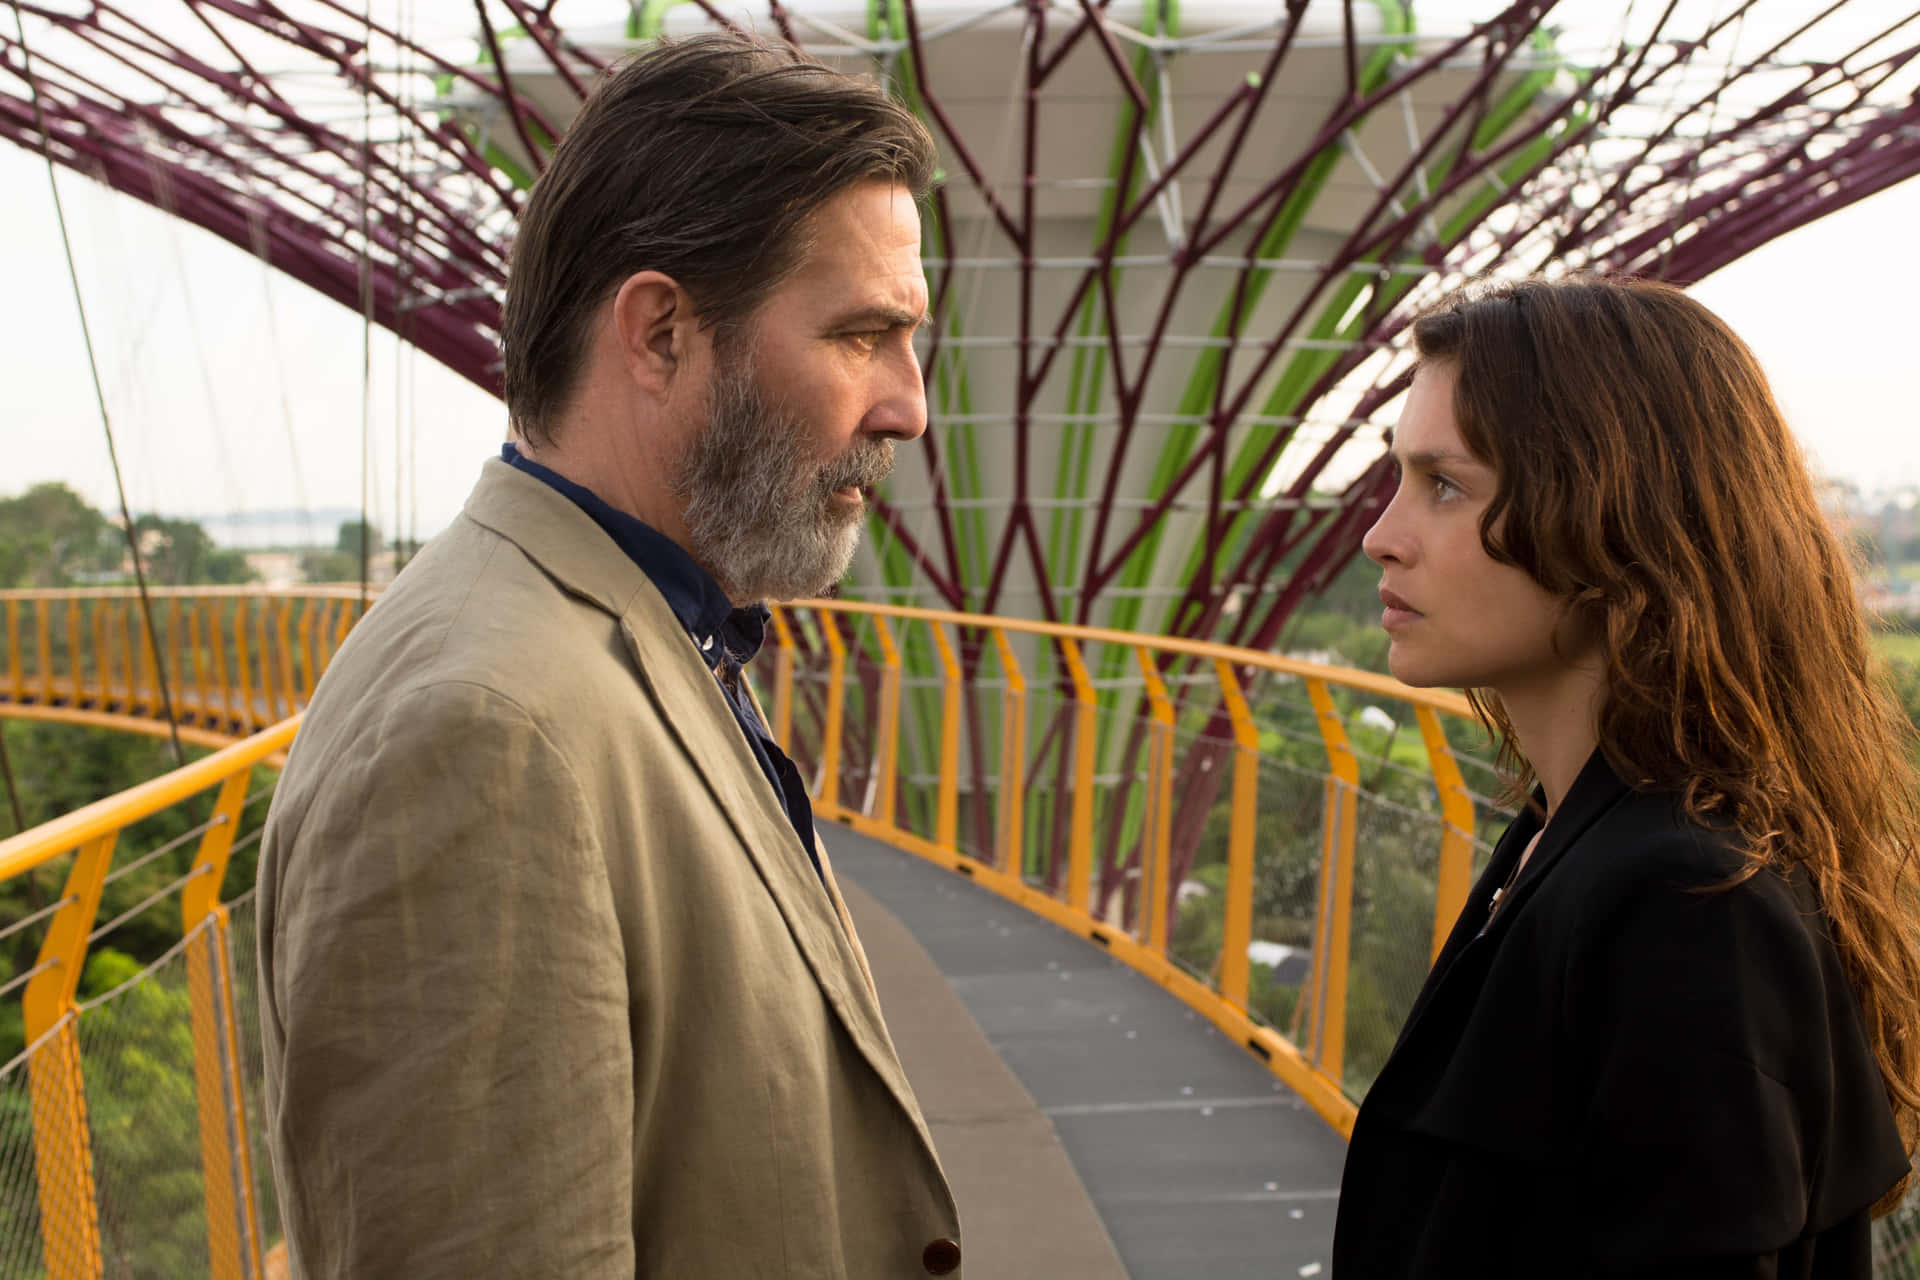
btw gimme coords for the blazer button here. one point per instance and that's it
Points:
(941, 1258)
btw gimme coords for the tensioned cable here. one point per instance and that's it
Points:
(366, 300)
(13, 792)
(99, 393)
(406, 429)
(257, 233)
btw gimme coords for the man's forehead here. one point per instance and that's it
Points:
(867, 239)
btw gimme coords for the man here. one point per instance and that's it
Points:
(555, 978)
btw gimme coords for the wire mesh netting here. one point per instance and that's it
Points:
(20, 1239)
(241, 948)
(1896, 1241)
(107, 1109)
(1396, 866)
(137, 1059)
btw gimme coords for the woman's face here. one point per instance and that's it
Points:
(1455, 616)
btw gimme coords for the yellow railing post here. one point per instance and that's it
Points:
(348, 613)
(1157, 838)
(1237, 933)
(233, 1238)
(310, 659)
(1013, 755)
(1080, 840)
(1333, 931)
(62, 1148)
(1454, 879)
(201, 708)
(288, 689)
(127, 637)
(141, 667)
(43, 631)
(886, 738)
(16, 675)
(102, 652)
(782, 726)
(214, 612)
(176, 671)
(333, 634)
(946, 822)
(76, 692)
(263, 645)
(245, 720)
(836, 713)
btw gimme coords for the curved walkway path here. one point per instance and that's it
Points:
(1092, 1125)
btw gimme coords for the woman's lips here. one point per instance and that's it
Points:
(1397, 612)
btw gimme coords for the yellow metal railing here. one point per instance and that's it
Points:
(1126, 808)
(236, 659)
(1071, 770)
(63, 1137)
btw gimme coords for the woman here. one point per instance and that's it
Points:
(1676, 1030)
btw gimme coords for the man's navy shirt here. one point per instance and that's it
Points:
(726, 637)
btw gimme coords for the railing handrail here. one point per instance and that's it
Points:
(39, 845)
(243, 590)
(1347, 677)
(1442, 700)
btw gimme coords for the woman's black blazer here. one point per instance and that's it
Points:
(1627, 1073)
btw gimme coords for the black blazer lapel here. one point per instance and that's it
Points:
(1595, 791)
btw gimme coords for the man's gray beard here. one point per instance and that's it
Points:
(760, 511)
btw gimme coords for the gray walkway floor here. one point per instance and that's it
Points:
(1199, 1164)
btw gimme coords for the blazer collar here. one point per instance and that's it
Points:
(566, 543)
(1595, 790)
(556, 535)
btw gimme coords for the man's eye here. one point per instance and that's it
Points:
(865, 341)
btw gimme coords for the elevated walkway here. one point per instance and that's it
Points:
(1093, 1125)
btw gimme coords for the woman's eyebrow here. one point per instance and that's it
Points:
(1426, 459)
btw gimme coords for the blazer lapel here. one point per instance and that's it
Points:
(1594, 792)
(692, 707)
(565, 542)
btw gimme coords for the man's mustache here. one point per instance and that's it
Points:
(861, 467)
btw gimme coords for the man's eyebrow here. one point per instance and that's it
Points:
(883, 318)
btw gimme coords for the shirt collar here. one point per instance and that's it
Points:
(719, 630)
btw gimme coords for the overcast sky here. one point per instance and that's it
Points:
(232, 389)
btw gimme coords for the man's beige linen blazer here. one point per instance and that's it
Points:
(548, 985)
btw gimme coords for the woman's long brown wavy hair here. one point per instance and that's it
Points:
(1648, 478)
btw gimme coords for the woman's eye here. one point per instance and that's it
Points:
(1444, 488)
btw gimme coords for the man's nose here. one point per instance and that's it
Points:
(900, 410)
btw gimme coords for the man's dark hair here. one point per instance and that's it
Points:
(700, 158)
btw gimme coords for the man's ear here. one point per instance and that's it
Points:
(654, 326)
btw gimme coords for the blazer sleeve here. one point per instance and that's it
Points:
(1700, 1023)
(455, 1093)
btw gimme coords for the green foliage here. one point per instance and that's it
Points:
(342, 564)
(351, 536)
(329, 566)
(50, 537)
(178, 553)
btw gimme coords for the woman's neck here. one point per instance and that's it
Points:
(1556, 723)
